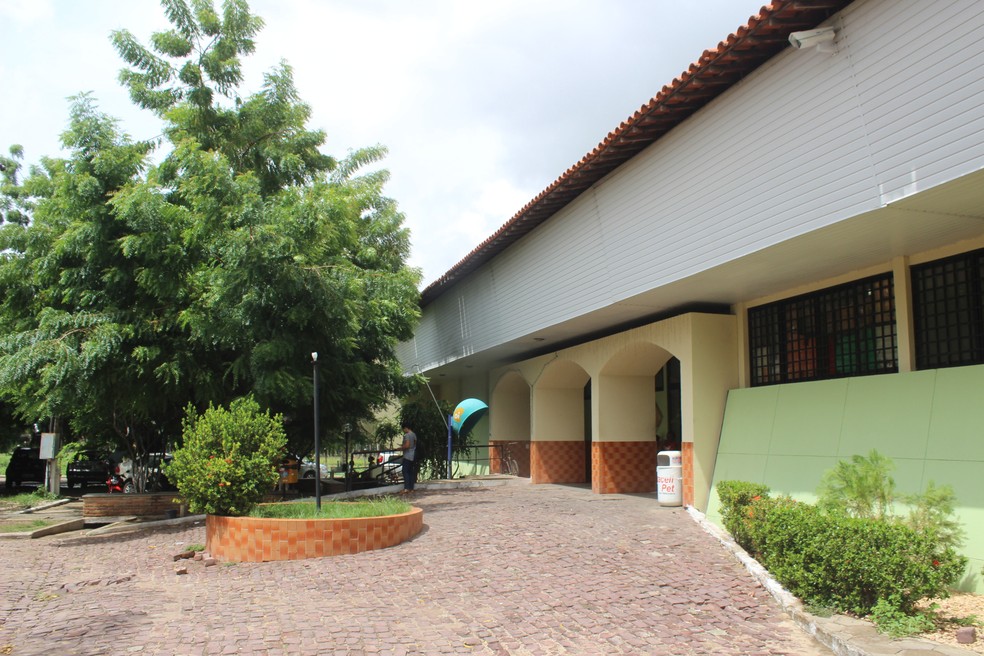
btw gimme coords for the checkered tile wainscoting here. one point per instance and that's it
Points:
(623, 467)
(688, 473)
(557, 462)
(518, 450)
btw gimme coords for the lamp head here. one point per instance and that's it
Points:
(314, 357)
(810, 38)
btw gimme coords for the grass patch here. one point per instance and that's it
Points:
(334, 509)
(24, 500)
(23, 527)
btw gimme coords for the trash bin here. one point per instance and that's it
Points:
(669, 478)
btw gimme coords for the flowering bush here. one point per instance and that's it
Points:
(851, 563)
(831, 559)
(226, 463)
(736, 499)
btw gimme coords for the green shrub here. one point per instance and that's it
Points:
(932, 512)
(736, 499)
(861, 487)
(892, 621)
(227, 460)
(852, 563)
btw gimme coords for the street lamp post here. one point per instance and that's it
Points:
(317, 438)
(347, 428)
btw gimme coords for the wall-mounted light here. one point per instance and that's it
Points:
(822, 37)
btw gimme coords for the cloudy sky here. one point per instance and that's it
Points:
(481, 103)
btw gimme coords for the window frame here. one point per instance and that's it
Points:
(837, 332)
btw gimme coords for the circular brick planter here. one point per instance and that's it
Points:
(259, 539)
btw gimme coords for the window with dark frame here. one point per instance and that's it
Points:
(948, 311)
(848, 330)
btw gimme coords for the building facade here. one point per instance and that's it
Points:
(776, 263)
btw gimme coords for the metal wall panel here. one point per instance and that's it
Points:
(808, 140)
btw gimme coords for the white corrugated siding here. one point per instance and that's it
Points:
(807, 140)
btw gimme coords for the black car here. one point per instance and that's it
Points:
(25, 466)
(88, 468)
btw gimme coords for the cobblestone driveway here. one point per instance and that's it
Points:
(517, 569)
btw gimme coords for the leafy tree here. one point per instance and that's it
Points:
(129, 289)
(430, 423)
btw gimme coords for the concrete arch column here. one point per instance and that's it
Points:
(557, 449)
(623, 452)
(509, 417)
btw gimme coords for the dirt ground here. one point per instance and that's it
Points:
(959, 605)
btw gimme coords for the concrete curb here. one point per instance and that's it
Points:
(129, 526)
(61, 527)
(46, 506)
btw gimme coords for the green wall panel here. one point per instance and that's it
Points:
(755, 411)
(738, 466)
(797, 476)
(909, 475)
(966, 480)
(957, 427)
(888, 413)
(808, 418)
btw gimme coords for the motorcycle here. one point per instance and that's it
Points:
(117, 482)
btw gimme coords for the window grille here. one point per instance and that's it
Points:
(948, 311)
(848, 330)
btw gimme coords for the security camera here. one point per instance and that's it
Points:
(810, 38)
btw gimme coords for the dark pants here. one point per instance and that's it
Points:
(409, 474)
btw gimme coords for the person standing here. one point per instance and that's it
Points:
(409, 456)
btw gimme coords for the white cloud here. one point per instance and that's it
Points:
(481, 104)
(25, 12)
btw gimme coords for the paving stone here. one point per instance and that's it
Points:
(513, 570)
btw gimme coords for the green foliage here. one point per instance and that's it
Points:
(377, 507)
(861, 487)
(851, 563)
(36, 497)
(430, 423)
(892, 621)
(227, 461)
(129, 289)
(23, 527)
(933, 512)
(850, 552)
(736, 500)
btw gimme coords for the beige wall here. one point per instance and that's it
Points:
(509, 409)
(626, 409)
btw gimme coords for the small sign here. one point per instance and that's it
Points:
(48, 444)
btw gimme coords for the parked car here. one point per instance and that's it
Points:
(307, 470)
(25, 465)
(156, 480)
(89, 468)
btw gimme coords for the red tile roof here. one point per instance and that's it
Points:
(712, 74)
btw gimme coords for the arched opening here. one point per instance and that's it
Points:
(557, 452)
(638, 412)
(509, 416)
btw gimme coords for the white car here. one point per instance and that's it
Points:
(307, 470)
